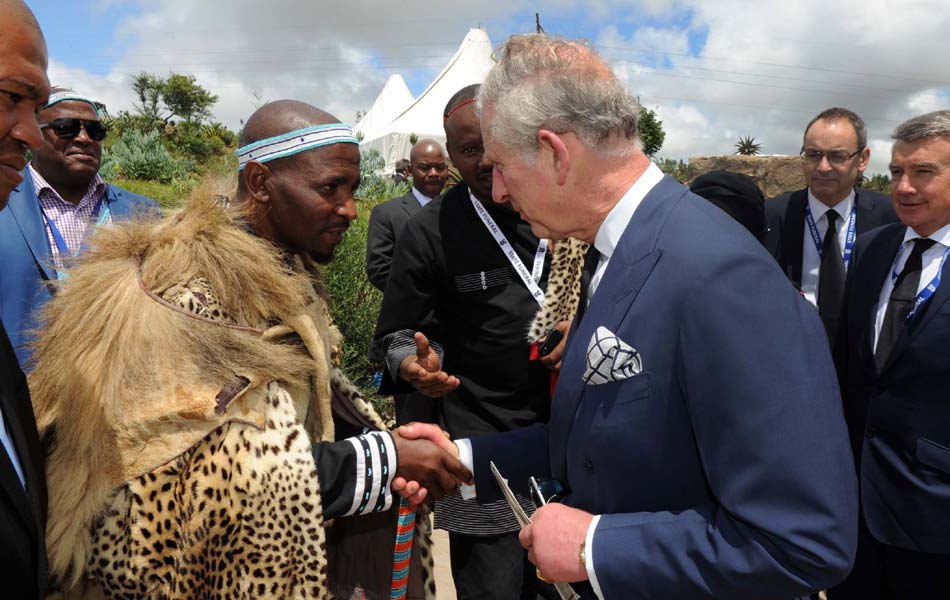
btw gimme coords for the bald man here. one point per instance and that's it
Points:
(23, 91)
(219, 432)
(386, 221)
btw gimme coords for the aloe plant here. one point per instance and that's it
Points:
(747, 146)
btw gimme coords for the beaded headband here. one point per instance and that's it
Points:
(295, 142)
(71, 96)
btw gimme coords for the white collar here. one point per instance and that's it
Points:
(611, 230)
(819, 208)
(941, 236)
(422, 198)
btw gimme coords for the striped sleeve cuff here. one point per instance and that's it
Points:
(403, 344)
(375, 470)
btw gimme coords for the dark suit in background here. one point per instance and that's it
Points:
(23, 567)
(786, 219)
(899, 420)
(386, 222)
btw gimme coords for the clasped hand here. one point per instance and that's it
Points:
(428, 463)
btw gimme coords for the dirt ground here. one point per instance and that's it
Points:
(443, 569)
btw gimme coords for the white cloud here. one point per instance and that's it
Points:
(766, 67)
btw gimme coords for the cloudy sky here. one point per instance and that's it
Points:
(713, 70)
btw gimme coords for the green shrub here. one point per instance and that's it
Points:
(190, 139)
(136, 155)
(677, 169)
(374, 186)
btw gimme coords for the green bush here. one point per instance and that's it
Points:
(677, 169)
(136, 155)
(190, 139)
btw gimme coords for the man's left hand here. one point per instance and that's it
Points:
(553, 541)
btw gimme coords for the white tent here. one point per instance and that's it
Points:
(471, 63)
(391, 102)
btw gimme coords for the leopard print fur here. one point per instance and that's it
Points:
(564, 287)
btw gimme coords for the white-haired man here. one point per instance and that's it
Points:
(696, 423)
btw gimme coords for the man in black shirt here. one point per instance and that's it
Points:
(466, 280)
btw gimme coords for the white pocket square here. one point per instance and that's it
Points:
(609, 358)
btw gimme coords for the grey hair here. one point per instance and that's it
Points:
(930, 124)
(545, 82)
(843, 114)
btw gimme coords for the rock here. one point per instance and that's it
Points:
(773, 174)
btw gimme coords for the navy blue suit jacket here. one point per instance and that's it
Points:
(27, 274)
(722, 470)
(899, 418)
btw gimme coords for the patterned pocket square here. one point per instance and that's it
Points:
(609, 358)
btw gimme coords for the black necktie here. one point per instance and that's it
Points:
(831, 275)
(902, 300)
(590, 266)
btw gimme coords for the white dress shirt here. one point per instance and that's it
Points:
(420, 197)
(606, 240)
(810, 259)
(930, 261)
(611, 230)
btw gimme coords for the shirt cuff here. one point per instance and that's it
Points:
(465, 457)
(589, 558)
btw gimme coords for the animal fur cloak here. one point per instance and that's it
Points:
(183, 371)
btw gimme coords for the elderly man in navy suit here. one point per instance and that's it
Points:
(895, 373)
(697, 423)
(60, 202)
(23, 90)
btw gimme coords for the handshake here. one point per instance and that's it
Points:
(428, 463)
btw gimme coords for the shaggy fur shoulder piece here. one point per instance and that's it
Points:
(564, 287)
(124, 382)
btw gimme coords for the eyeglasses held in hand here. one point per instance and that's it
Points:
(835, 158)
(68, 127)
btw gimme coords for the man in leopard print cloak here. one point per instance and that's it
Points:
(187, 388)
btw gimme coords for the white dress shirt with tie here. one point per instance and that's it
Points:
(810, 259)
(930, 264)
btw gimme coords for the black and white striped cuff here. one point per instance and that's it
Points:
(375, 470)
(403, 344)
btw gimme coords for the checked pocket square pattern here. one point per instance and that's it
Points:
(609, 358)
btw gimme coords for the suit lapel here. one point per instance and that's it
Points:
(119, 207)
(26, 211)
(793, 237)
(410, 204)
(630, 266)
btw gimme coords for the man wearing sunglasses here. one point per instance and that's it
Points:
(60, 202)
(814, 256)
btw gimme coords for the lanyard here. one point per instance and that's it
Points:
(848, 241)
(929, 289)
(98, 216)
(530, 279)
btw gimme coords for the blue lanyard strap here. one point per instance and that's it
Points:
(929, 289)
(849, 239)
(98, 216)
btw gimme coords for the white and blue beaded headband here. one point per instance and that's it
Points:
(71, 96)
(295, 142)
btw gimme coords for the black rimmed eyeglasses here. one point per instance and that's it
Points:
(69, 127)
(835, 157)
